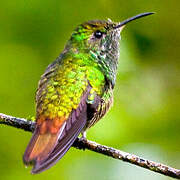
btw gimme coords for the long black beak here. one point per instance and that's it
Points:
(132, 19)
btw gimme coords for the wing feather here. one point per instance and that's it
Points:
(74, 125)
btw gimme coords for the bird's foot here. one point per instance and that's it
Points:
(83, 139)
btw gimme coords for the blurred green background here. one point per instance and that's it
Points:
(145, 118)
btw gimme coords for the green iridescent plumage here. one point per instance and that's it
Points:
(75, 91)
(65, 84)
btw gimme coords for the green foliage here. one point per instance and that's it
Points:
(145, 117)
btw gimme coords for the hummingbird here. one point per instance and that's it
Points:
(75, 91)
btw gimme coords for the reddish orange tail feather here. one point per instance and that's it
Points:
(53, 138)
(40, 146)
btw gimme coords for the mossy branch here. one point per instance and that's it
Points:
(28, 125)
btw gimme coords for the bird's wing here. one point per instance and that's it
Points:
(61, 115)
(45, 149)
(61, 110)
(69, 132)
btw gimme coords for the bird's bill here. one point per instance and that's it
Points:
(123, 23)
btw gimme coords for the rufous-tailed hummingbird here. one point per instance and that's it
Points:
(75, 91)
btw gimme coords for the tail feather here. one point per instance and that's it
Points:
(47, 145)
(40, 146)
(62, 146)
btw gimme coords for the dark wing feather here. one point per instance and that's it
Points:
(74, 125)
(99, 108)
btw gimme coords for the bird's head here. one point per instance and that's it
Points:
(100, 40)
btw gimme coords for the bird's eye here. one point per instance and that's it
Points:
(98, 34)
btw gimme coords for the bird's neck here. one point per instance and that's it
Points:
(108, 64)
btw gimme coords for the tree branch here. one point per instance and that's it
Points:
(28, 125)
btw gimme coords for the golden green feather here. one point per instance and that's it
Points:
(65, 88)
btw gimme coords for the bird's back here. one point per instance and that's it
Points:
(64, 91)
